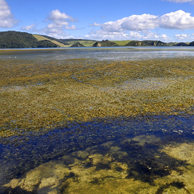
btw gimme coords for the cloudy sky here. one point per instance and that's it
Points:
(166, 20)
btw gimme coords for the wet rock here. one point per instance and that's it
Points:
(142, 139)
(49, 182)
(68, 160)
(81, 154)
(107, 144)
(31, 181)
(95, 158)
(13, 183)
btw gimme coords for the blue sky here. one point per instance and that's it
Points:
(166, 20)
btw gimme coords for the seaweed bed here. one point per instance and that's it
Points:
(90, 126)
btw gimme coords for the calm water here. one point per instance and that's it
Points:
(130, 141)
(103, 151)
(121, 53)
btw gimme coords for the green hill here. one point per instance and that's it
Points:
(191, 43)
(53, 40)
(77, 44)
(70, 42)
(12, 39)
(181, 44)
(104, 43)
(146, 43)
(121, 42)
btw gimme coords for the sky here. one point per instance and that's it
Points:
(165, 20)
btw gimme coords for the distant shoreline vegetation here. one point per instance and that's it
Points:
(13, 39)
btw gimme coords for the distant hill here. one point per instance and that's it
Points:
(146, 43)
(12, 39)
(181, 44)
(191, 43)
(104, 43)
(53, 40)
(70, 42)
(77, 44)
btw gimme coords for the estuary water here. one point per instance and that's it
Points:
(143, 154)
(106, 53)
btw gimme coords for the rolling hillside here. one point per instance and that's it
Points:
(13, 39)
(40, 38)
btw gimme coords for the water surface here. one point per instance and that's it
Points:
(142, 154)
(105, 53)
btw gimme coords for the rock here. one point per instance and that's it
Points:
(31, 181)
(68, 160)
(48, 182)
(82, 154)
(13, 183)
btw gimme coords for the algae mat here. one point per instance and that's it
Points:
(89, 126)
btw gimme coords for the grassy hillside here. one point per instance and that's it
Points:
(104, 43)
(146, 43)
(77, 44)
(70, 42)
(87, 43)
(121, 42)
(12, 39)
(39, 38)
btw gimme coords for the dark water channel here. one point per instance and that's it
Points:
(20, 154)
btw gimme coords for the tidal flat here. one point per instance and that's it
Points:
(97, 126)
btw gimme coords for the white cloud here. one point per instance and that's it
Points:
(139, 22)
(71, 27)
(134, 23)
(177, 20)
(6, 17)
(131, 35)
(181, 1)
(134, 35)
(99, 35)
(56, 15)
(58, 23)
(148, 35)
(139, 26)
(182, 36)
(124, 35)
(95, 24)
(29, 27)
(173, 20)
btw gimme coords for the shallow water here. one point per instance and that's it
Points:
(106, 53)
(117, 145)
(143, 154)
